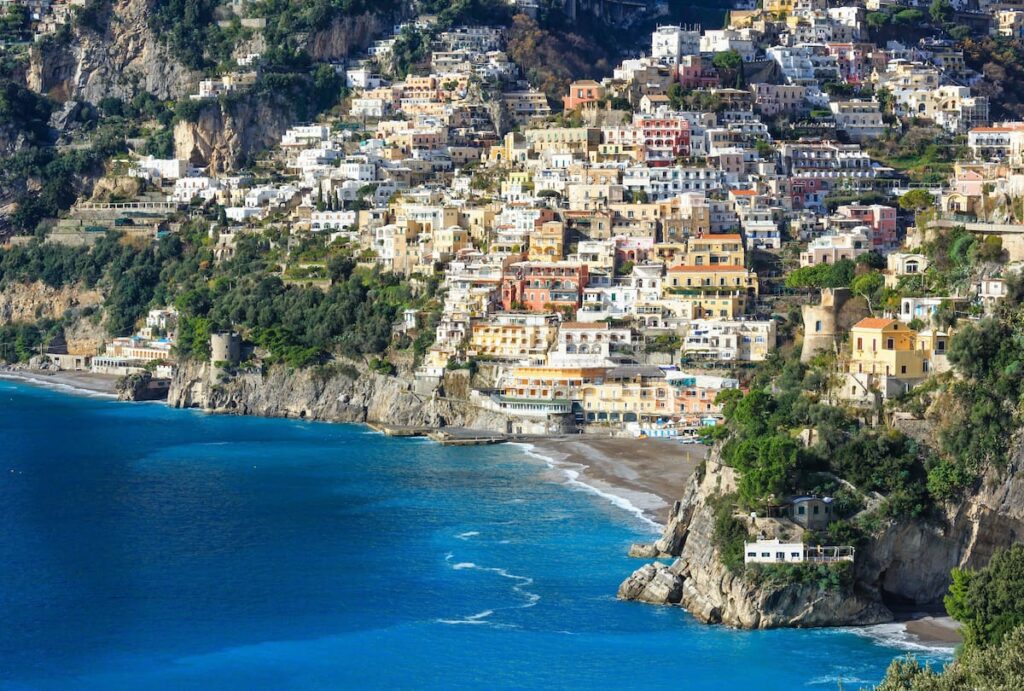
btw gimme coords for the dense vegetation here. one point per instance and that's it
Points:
(989, 604)
(297, 324)
(997, 668)
(24, 111)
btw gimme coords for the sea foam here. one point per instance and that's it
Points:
(572, 476)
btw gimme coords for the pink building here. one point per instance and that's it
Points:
(694, 73)
(808, 193)
(664, 138)
(879, 218)
(543, 286)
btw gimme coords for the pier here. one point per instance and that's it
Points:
(449, 436)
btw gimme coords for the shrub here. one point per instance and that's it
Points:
(729, 533)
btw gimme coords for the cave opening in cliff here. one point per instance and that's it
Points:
(893, 600)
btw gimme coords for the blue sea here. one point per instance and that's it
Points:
(148, 548)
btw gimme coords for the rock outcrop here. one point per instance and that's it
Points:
(118, 57)
(347, 393)
(225, 133)
(27, 302)
(141, 387)
(345, 37)
(906, 562)
(699, 580)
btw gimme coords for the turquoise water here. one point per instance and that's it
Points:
(142, 547)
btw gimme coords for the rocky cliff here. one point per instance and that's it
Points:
(117, 56)
(346, 393)
(27, 302)
(906, 562)
(700, 582)
(345, 37)
(225, 133)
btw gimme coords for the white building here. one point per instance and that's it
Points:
(778, 552)
(669, 43)
(158, 169)
(729, 341)
(332, 220)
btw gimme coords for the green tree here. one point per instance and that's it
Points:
(917, 200)
(727, 60)
(989, 603)
(941, 12)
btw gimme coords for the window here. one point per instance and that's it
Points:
(801, 510)
(817, 325)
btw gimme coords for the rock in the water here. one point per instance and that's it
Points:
(643, 550)
(653, 583)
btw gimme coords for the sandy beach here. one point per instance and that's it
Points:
(650, 474)
(83, 382)
(935, 630)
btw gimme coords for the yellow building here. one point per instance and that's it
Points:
(630, 393)
(548, 382)
(564, 139)
(706, 306)
(510, 336)
(723, 249)
(886, 347)
(547, 243)
(723, 278)
(448, 241)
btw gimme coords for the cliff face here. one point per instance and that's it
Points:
(226, 133)
(700, 582)
(118, 57)
(911, 561)
(27, 302)
(346, 36)
(308, 394)
(908, 562)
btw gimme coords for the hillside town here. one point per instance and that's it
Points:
(763, 256)
(620, 263)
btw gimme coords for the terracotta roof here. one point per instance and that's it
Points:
(600, 326)
(873, 323)
(716, 237)
(743, 192)
(1010, 128)
(713, 267)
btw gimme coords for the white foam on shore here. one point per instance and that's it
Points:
(55, 385)
(572, 473)
(895, 635)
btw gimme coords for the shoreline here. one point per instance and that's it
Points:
(643, 477)
(89, 384)
(922, 632)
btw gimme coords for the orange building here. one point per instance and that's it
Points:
(581, 93)
(543, 286)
